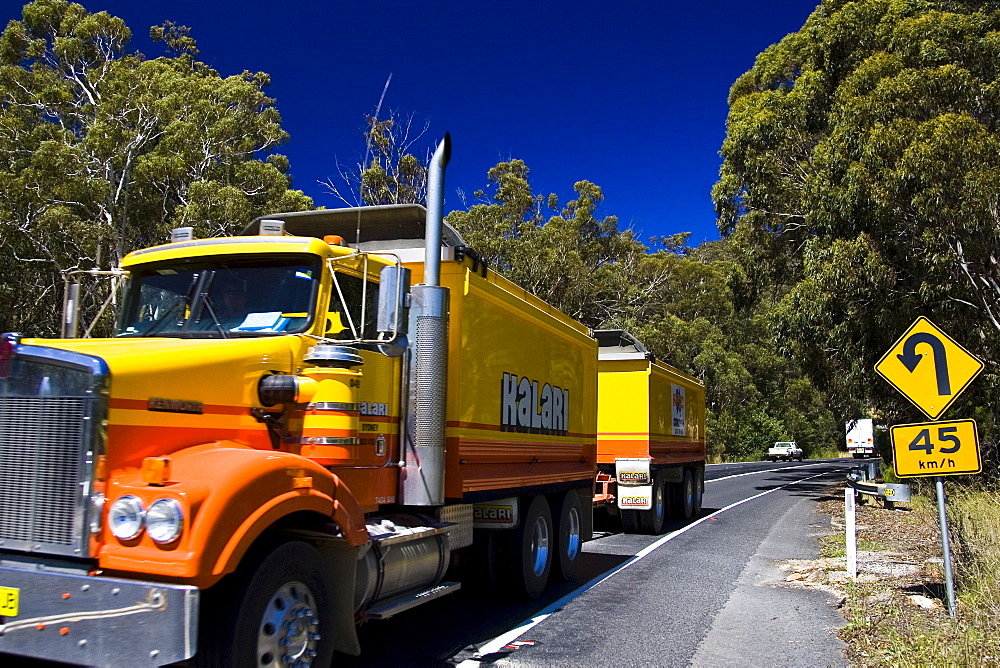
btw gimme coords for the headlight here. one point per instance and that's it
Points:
(126, 517)
(164, 520)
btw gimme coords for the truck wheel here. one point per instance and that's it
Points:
(651, 520)
(682, 506)
(537, 540)
(699, 491)
(569, 537)
(485, 571)
(630, 521)
(280, 613)
(529, 551)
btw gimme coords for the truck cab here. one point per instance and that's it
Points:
(288, 434)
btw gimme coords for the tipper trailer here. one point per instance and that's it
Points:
(650, 436)
(288, 435)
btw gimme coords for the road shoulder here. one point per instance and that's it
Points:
(767, 624)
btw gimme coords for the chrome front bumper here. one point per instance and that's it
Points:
(97, 621)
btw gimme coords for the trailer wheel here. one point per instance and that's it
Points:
(630, 521)
(651, 520)
(699, 490)
(534, 540)
(569, 532)
(682, 497)
(280, 614)
(689, 495)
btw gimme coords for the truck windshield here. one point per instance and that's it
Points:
(220, 297)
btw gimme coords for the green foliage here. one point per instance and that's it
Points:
(390, 172)
(861, 179)
(103, 151)
(684, 303)
(578, 262)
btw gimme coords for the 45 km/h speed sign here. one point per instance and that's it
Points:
(936, 448)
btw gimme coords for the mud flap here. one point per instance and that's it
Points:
(343, 559)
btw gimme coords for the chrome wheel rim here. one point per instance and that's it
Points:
(540, 546)
(573, 529)
(688, 495)
(289, 629)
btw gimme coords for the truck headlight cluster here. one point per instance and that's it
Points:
(163, 520)
(126, 517)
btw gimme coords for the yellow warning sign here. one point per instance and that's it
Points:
(929, 367)
(936, 448)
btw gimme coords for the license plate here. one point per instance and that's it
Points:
(9, 597)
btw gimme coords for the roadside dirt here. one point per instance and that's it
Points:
(900, 574)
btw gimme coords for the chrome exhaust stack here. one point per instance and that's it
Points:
(422, 481)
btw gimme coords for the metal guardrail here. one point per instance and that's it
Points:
(861, 479)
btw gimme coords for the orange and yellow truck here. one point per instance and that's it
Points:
(287, 435)
(650, 436)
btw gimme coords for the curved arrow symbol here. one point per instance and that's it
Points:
(911, 359)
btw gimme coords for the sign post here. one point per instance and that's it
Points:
(945, 545)
(931, 369)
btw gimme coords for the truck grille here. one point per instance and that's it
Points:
(51, 409)
(40, 441)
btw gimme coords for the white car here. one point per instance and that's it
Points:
(785, 451)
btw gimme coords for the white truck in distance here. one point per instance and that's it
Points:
(860, 438)
(785, 451)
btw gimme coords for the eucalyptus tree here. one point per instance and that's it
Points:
(389, 173)
(861, 179)
(680, 301)
(103, 151)
(579, 262)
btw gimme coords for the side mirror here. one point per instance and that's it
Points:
(394, 288)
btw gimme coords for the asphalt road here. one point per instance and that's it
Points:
(700, 594)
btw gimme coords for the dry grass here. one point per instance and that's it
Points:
(896, 611)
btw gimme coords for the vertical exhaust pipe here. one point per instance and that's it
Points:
(435, 211)
(71, 309)
(422, 482)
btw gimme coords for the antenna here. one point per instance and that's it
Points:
(364, 164)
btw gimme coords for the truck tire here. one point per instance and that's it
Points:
(286, 598)
(485, 571)
(528, 551)
(699, 490)
(651, 521)
(630, 521)
(569, 537)
(682, 498)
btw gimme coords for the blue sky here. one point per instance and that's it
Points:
(628, 95)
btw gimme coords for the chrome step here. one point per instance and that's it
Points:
(393, 606)
(386, 532)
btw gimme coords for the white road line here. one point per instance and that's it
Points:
(740, 475)
(497, 643)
